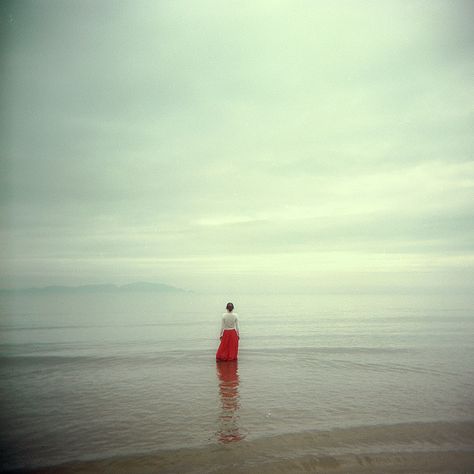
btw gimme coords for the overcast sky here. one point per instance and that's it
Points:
(233, 146)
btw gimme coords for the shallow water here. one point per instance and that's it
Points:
(103, 375)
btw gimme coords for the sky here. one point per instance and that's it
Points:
(219, 146)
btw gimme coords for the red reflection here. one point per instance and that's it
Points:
(230, 401)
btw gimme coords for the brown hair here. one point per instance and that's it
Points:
(229, 307)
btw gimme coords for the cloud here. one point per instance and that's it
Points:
(176, 131)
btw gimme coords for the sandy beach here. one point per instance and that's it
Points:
(415, 448)
(442, 462)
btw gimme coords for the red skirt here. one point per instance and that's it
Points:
(229, 346)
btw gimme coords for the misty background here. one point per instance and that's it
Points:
(270, 146)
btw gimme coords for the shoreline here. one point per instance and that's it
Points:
(414, 462)
(407, 447)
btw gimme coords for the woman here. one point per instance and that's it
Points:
(229, 346)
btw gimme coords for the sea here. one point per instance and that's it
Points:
(112, 382)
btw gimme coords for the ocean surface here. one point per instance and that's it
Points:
(132, 378)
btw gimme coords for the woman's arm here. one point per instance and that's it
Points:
(222, 328)
(237, 326)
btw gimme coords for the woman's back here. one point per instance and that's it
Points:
(229, 320)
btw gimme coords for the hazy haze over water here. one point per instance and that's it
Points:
(289, 146)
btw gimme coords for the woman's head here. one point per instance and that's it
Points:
(230, 307)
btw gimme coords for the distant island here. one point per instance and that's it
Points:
(140, 286)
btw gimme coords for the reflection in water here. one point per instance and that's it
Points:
(230, 402)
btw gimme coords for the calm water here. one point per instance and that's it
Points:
(98, 376)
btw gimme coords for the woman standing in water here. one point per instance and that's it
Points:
(229, 346)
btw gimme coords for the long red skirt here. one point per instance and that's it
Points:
(229, 346)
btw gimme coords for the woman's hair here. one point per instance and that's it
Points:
(229, 307)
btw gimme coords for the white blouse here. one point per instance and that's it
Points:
(230, 321)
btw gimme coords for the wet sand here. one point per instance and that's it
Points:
(410, 447)
(441, 462)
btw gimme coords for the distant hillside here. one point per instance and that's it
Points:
(103, 288)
